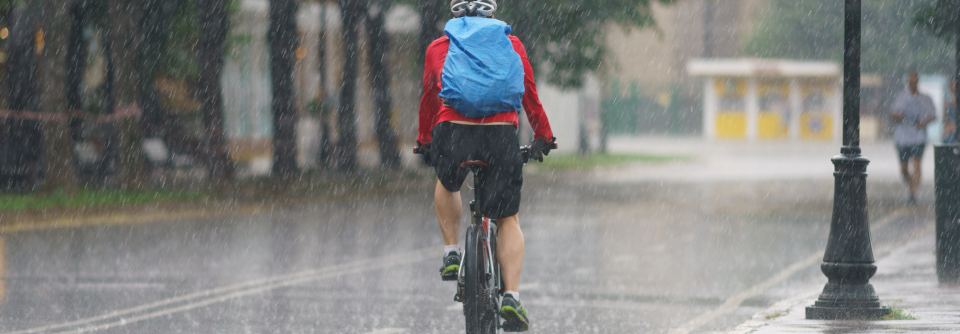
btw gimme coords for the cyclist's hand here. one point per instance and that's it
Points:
(540, 148)
(424, 151)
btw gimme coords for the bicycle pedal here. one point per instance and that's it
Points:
(449, 277)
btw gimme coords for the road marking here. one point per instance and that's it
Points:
(132, 218)
(388, 331)
(733, 303)
(455, 307)
(225, 293)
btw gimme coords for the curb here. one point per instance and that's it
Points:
(778, 310)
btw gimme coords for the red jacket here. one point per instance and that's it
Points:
(432, 110)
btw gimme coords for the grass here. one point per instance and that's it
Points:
(87, 197)
(898, 313)
(773, 316)
(575, 161)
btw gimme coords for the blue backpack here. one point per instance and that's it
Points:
(483, 74)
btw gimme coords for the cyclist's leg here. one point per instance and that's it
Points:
(500, 191)
(449, 210)
(448, 151)
(510, 251)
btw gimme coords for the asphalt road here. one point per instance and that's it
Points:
(602, 256)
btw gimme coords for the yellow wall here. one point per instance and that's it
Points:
(731, 124)
(816, 125)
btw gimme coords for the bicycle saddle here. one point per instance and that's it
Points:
(469, 163)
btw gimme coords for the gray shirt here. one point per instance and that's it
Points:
(915, 108)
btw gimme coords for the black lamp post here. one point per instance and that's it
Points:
(848, 259)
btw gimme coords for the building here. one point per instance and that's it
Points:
(769, 99)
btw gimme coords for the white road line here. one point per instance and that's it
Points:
(241, 289)
(732, 303)
(388, 331)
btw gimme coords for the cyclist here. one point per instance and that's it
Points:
(449, 138)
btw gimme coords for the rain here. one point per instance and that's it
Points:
(569, 166)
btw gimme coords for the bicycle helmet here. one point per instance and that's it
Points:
(482, 8)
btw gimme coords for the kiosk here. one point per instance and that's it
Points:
(769, 99)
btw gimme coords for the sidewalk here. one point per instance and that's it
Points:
(749, 161)
(906, 278)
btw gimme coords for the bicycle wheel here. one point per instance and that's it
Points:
(490, 320)
(473, 256)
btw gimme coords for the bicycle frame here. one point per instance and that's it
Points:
(488, 302)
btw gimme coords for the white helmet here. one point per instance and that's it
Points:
(483, 8)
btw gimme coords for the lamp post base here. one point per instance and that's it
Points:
(817, 312)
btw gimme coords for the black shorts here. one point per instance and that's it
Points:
(496, 145)
(909, 151)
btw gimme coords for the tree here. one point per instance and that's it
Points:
(213, 27)
(125, 38)
(939, 18)
(282, 36)
(346, 148)
(21, 160)
(431, 11)
(813, 30)
(563, 37)
(156, 30)
(76, 65)
(377, 55)
(57, 143)
(321, 107)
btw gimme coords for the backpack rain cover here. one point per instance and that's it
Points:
(483, 74)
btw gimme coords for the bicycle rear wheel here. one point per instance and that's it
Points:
(479, 308)
(472, 269)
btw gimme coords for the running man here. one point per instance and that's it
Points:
(911, 113)
(450, 138)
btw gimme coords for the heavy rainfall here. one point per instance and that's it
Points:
(306, 166)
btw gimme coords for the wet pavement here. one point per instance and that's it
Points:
(906, 280)
(604, 254)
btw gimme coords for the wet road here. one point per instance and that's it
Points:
(601, 257)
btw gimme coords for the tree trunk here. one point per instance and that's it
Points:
(430, 13)
(76, 66)
(155, 31)
(282, 35)
(22, 164)
(56, 134)
(323, 152)
(124, 34)
(378, 51)
(108, 160)
(346, 150)
(213, 35)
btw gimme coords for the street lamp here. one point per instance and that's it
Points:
(848, 260)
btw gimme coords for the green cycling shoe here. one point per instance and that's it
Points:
(513, 314)
(451, 267)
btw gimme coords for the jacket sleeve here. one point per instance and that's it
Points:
(430, 102)
(531, 100)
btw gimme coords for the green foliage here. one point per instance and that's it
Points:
(87, 197)
(813, 30)
(565, 36)
(170, 34)
(178, 58)
(568, 161)
(939, 18)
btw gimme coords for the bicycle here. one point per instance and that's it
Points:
(479, 284)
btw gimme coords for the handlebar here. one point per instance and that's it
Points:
(524, 151)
